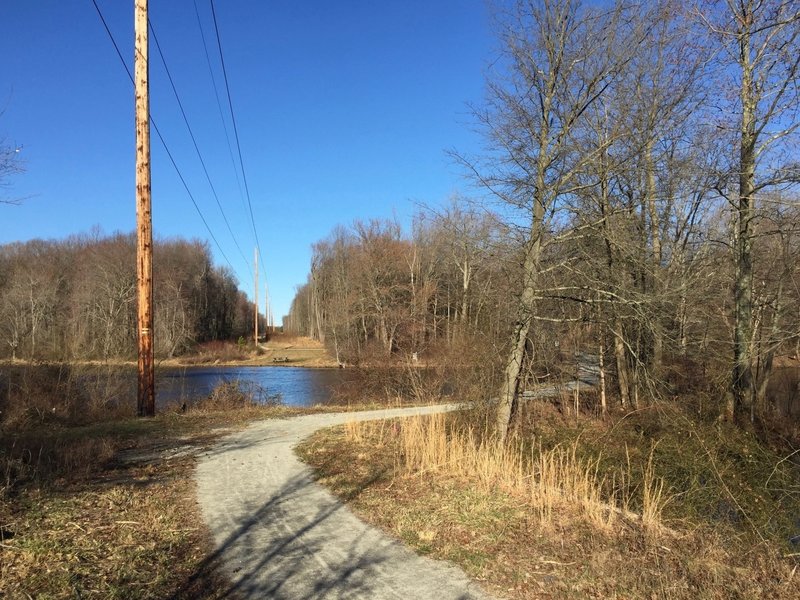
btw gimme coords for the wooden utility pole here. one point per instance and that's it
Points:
(267, 311)
(146, 404)
(255, 300)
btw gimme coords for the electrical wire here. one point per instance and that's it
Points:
(161, 138)
(236, 135)
(219, 104)
(194, 140)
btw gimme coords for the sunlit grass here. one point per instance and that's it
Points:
(546, 479)
(535, 518)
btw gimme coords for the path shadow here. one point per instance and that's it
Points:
(283, 554)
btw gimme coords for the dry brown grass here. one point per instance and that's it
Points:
(106, 508)
(654, 498)
(237, 395)
(288, 350)
(217, 352)
(539, 522)
(138, 537)
(547, 480)
(285, 341)
(62, 393)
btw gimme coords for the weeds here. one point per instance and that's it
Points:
(547, 479)
(64, 394)
(580, 509)
(654, 497)
(217, 352)
(104, 509)
(237, 394)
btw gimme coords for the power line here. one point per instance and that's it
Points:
(191, 197)
(194, 140)
(161, 138)
(219, 104)
(236, 133)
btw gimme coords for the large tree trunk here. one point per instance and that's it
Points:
(742, 381)
(623, 376)
(511, 376)
(519, 338)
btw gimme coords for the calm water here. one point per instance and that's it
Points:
(296, 386)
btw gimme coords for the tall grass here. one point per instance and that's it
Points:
(551, 481)
(62, 393)
(65, 422)
(217, 352)
(236, 394)
(36, 458)
(654, 497)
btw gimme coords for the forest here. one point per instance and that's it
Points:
(635, 200)
(75, 299)
(632, 212)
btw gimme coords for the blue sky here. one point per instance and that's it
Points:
(345, 110)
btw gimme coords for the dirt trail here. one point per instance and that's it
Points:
(280, 535)
(295, 351)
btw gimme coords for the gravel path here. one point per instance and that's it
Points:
(280, 535)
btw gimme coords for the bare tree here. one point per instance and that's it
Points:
(563, 56)
(371, 285)
(74, 299)
(775, 297)
(10, 165)
(759, 67)
(644, 190)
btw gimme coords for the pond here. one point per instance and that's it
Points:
(297, 386)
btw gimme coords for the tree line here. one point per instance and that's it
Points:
(76, 298)
(639, 169)
(375, 293)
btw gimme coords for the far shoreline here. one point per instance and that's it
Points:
(281, 350)
(169, 363)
